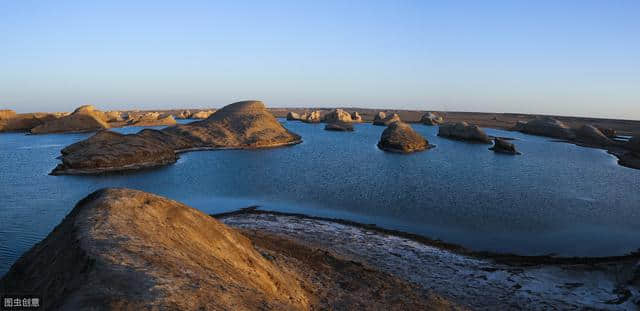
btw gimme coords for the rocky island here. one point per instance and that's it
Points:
(463, 131)
(401, 138)
(242, 125)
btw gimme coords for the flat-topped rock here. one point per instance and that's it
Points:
(546, 126)
(83, 119)
(245, 126)
(122, 249)
(503, 146)
(400, 137)
(339, 126)
(463, 131)
(381, 118)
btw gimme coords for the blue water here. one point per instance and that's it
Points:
(556, 198)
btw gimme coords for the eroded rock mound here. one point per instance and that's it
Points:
(113, 116)
(24, 121)
(311, 117)
(339, 126)
(400, 137)
(381, 118)
(292, 116)
(202, 114)
(431, 118)
(546, 126)
(463, 131)
(591, 135)
(151, 119)
(356, 117)
(83, 119)
(503, 146)
(127, 249)
(340, 115)
(240, 125)
(185, 114)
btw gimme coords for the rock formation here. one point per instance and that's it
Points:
(591, 135)
(463, 131)
(185, 114)
(546, 126)
(339, 115)
(83, 119)
(430, 118)
(122, 249)
(151, 119)
(292, 116)
(202, 114)
(311, 117)
(242, 125)
(382, 118)
(400, 137)
(355, 116)
(24, 121)
(609, 132)
(503, 146)
(7, 114)
(113, 116)
(339, 126)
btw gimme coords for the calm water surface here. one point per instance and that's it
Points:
(556, 198)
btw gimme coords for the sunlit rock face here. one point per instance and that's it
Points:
(127, 249)
(240, 125)
(400, 137)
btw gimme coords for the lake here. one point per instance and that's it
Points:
(556, 198)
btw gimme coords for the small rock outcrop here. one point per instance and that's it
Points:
(431, 118)
(242, 125)
(339, 126)
(503, 146)
(311, 117)
(591, 135)
(151, 119)
(463, 131)
(123, 249)
(339, 115)
(400, 137)
(381, 118)
(113, 116)
(184, 114)
(202, 114)
(356, 117)
(83, 119)
(546, 126)
(609, 132)
(292, 116)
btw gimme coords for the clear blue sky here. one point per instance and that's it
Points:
(554, 57)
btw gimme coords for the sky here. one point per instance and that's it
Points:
(549, 57)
